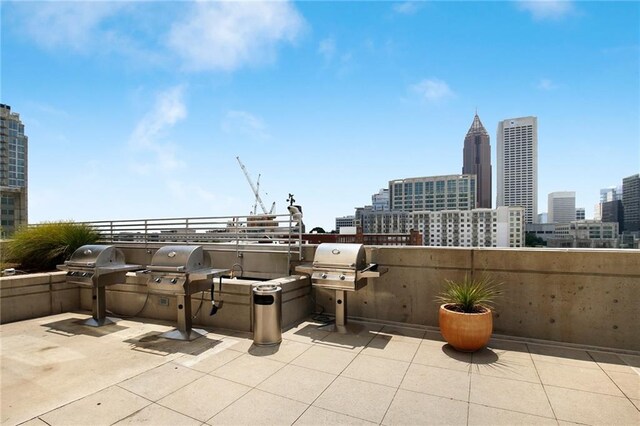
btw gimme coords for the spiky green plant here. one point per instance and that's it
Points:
(42, 247)
(470, 295)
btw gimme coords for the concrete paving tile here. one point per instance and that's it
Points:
(387, 347)
(161, 381)
(286, 351)
(592, 408)
(324, 359)
(205, 397)
(632, 360)
(260, 408)
(240, 342)
(561, 355)
(412, 408)
(376, 370)
(481, 415)
(298, 383)
(102, 408)
(514, 395)
(348, 342)
(34, 422)
(315, 416)
(209, 360)
(433, 338)
(32, 385)
(364, 328)
(306, 332)
(628, 382)
(157, 415)
(443, 356)
(611, 362)
(248, 370)
(402, 334)
(580, 378)
(437, 381)
(515, 348)
(364, 400)
(497, 363)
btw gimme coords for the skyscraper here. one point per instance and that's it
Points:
(477, 161)
(562, 207)
(13, 171)
(631, 203)
(518, 165)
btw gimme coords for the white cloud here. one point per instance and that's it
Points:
(406, 8)
(547, 9)
(245, 124)
(148, 134)
(73, 25)
(433, 90)
(327, 48)
(227, 35)
(546, 84)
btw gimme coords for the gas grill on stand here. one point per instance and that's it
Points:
(182, 271)
(341, 267)
(97, 266)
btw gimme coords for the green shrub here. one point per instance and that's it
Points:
(470, 295)
(42, 247)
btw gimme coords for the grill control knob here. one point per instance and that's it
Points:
(323, 275)
(158, 280)
(342, 277)
(85, 274)
(174, 280)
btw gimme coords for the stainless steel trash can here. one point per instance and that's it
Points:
(267, 314)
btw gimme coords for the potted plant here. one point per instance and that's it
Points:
(465, 315)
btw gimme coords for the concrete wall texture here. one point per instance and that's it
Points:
(587, 297)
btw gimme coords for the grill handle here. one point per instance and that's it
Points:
(158, 268)
(80, 264)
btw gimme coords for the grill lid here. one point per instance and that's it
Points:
(96, 256)
(179, 259)
(340, 256)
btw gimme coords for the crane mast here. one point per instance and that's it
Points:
(255, 190)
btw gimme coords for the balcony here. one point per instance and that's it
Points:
(565, 347)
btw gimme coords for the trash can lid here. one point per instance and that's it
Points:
(267, 288)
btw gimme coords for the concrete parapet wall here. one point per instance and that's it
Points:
(587, 297)
(36, 295)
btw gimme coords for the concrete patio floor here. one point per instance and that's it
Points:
(57, 371)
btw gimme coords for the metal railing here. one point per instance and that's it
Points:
(259, 233)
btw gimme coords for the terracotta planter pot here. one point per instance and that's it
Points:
(465, 332)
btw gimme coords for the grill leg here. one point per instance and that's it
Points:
(99, 295)
(341, 311)
(184, 330)
(184, 313)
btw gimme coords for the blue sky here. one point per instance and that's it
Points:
(138, 109)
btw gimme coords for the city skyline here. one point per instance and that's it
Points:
(145, 105)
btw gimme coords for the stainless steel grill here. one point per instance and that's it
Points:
(182, 271)
(97, 266)
(341, 267)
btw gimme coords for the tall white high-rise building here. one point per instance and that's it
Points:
(562, 207)
(518, 165)
(14, 146)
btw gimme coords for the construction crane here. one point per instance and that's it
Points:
(255, 190)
